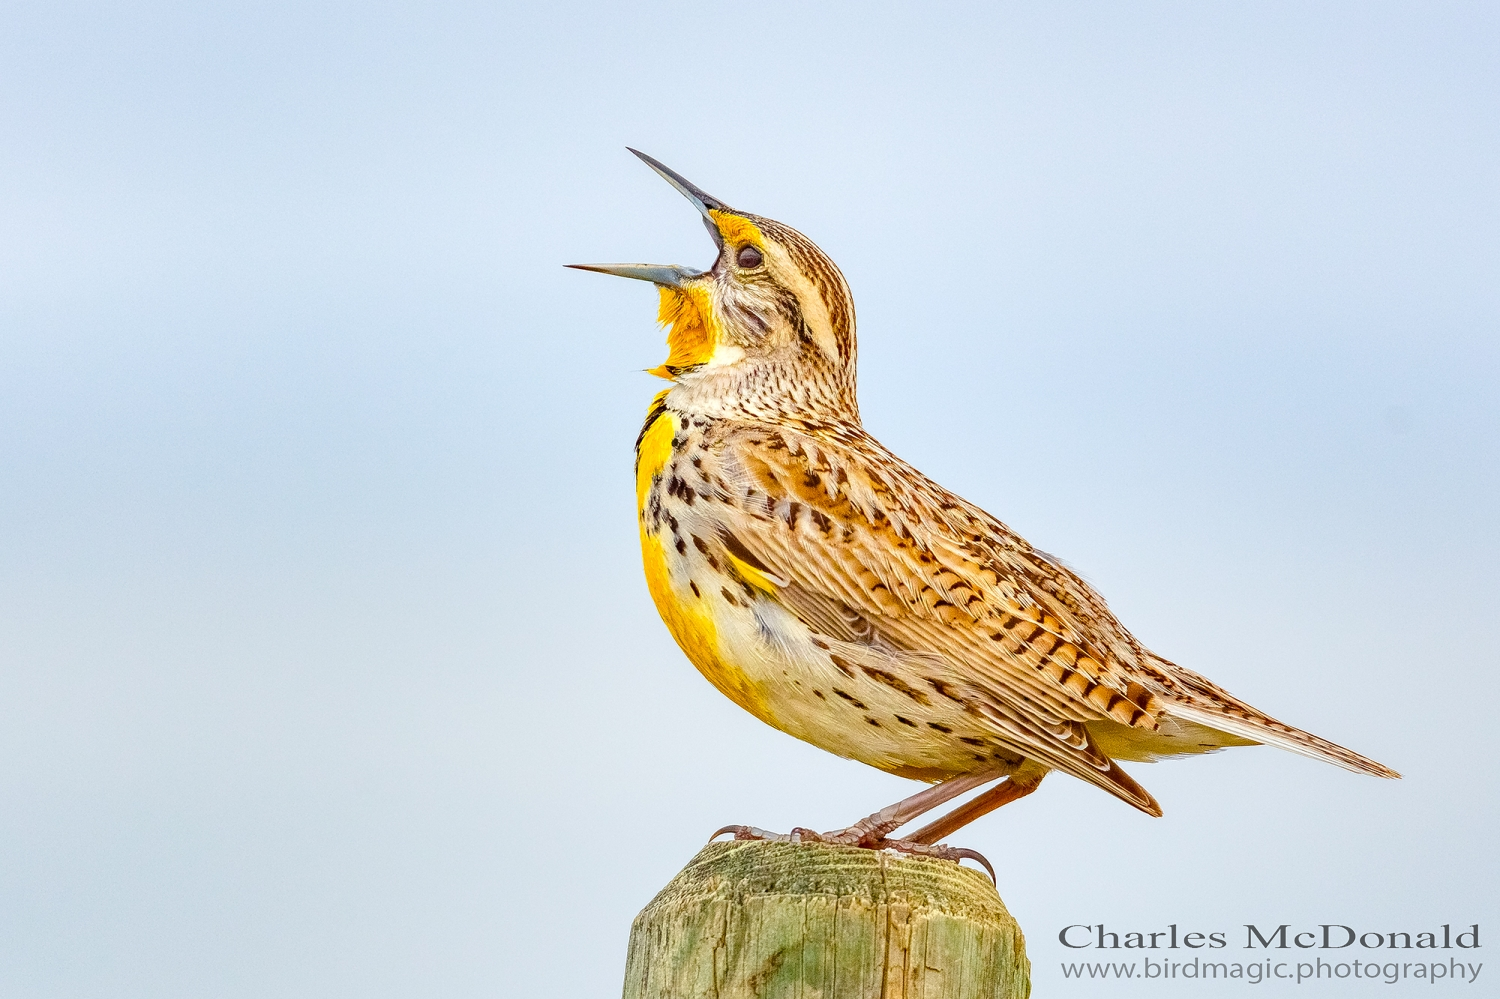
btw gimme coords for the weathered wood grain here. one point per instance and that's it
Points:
(812, 921)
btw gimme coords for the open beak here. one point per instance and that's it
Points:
(701, 199)
(668, 275)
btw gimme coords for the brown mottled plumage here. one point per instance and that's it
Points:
(842, 596)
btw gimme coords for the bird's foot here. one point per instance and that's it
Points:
(753, 833)
(854, 836)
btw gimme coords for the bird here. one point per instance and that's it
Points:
(841, 596)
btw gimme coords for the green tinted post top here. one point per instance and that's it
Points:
(772, 920)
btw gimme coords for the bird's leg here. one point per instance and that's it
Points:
(871, 830)
(1018, 785)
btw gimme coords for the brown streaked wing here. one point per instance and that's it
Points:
(835, 512)
(1060, 744)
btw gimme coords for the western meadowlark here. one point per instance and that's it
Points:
(839, 595)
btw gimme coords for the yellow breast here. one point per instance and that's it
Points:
(686, 614)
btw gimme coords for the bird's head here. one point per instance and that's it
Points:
(769, 326)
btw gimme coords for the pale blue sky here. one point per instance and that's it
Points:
(327, 665)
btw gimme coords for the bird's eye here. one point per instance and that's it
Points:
(749, 257)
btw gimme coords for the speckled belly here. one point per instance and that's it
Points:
(765, 659)
(768, 662)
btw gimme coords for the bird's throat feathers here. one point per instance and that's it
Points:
(692, 330)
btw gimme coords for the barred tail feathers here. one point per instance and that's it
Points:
(1264, 729)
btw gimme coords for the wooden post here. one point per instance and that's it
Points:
(757, 920)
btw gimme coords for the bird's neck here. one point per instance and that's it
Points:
(763, 390)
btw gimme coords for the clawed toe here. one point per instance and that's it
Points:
(959, 853)
(939, 850)
(752, 833)
(855, 837)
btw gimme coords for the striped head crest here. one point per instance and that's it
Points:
(771, 320)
